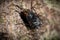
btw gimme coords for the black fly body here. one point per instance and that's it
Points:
(30, 19)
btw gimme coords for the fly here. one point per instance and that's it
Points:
(31, 19)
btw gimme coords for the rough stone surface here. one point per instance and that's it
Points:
(15, 27)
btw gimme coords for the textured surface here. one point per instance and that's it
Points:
(15, 27)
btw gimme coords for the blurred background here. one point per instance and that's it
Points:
(12, 26)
